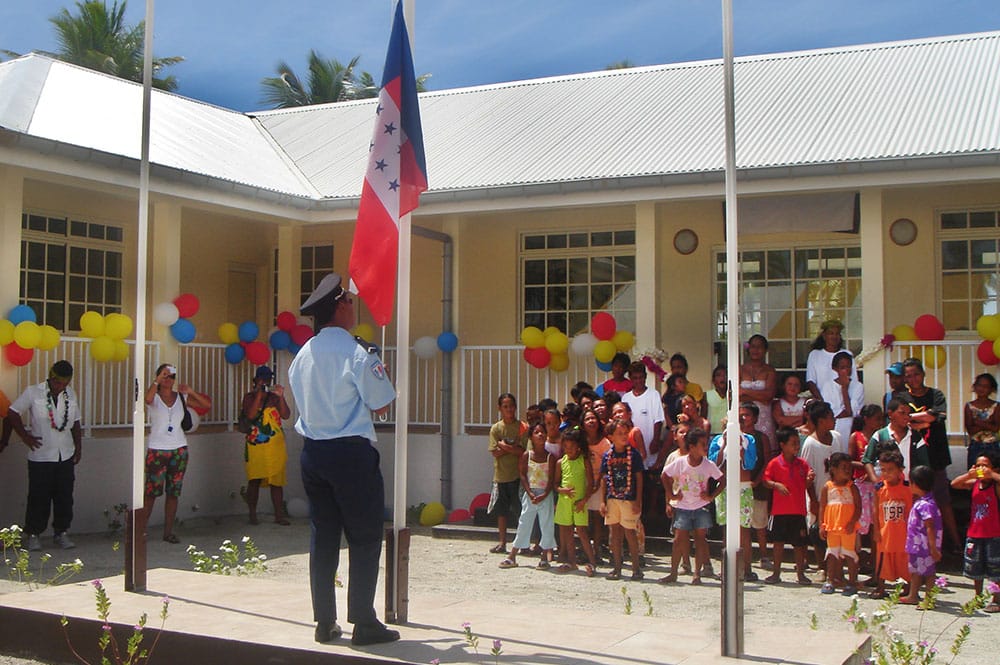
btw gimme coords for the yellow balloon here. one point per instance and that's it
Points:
(605, 351)
(91, 325)
(559, 362)
(988, 326)
(365, 331)
(229, 333)
(548, 332)
(532, 337)
(904, 333)
(102, 348)
(121, 350)
(557, 343)
(27, 334)
(117, 326)
(50, 338)
(623, 340)
(433, 513)
(934, 356)
(6, 332)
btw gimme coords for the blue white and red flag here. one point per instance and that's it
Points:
(396, 176)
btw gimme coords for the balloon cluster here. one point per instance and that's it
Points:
(241, 342)
(988, 327)
(546, 348)
(177, 316)
(610, 340)
(290, 334)
(20, 335)
(550, 347)
(427, 347)
(107, 335)
(928, 328)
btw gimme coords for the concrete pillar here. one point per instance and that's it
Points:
(163, 273)
(646, 259)
(289, 267)
(11, 206)
(872, 288)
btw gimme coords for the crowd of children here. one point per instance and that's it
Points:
(853, 481)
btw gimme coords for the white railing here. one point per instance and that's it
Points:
(953, 377)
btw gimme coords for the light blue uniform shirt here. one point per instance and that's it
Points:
(337, 383)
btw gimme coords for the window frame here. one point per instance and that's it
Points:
(967, 234)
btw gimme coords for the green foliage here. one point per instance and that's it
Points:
(649, 602)
(110, 650)
(244, 559)
(473, 641)
(628, 600)
(115, 515)
(18, 562)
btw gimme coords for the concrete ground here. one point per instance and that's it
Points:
(540, 616)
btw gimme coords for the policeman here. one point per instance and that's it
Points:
(337, 381)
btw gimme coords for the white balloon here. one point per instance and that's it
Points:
(298, 507)
(583, 344)
(426, 347)
(166, 314)
(195, 421)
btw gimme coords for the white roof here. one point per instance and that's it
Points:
(867, 104)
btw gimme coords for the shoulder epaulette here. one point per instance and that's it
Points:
(370, 347)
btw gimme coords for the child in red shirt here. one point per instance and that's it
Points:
(982, 543)
(791, 479)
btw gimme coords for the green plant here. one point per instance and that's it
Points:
(628, 600)
(649, 602)
(243, 559)
(111, 651)
(473, 641)
(413, 513)
(115, 515)
(18, 562)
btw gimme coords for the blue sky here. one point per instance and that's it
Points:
(229, 45)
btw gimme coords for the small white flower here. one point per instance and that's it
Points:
(246, 539)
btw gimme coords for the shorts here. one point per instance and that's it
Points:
(758, 520)
(892, 566)
(921, 564)
(746, 505)
(505, 500)
(942, 487)
(789, 529)
(692, 520)
(165, 471)
(842, 545)
(568, 515)
(982, 558)
(622, 512)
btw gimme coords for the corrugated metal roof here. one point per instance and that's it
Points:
(901, 100)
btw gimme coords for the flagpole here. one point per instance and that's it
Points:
(732, 621)
(135, 542)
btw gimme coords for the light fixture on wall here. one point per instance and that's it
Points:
(903, 231)
(685, 241)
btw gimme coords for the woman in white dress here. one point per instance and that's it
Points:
(819, 364)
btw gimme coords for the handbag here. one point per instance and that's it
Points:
(186, 423)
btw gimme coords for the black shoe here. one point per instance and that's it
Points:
(374, 633)
(327, 631)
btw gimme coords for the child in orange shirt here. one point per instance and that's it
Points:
(892, 508)
(840, 510)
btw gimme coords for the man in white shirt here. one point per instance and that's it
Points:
(647, 411)
(54, 448)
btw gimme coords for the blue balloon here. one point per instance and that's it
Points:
(604, 367)
(183, 331)
(280, 340)
(22, 313)
(447, 341)
(234, 353)
(293, 348)
(248, 331)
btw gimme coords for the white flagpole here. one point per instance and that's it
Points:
(139, 411)
(402, 371)
(733, 638)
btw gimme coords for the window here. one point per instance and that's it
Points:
(316, 263)
(68, 267)
(970, 266)
(786, 295)
(566, 278)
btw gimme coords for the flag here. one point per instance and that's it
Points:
(396, 176)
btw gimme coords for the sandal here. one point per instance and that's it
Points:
(508, 563)
(498, 549)
(637, 575)
(696, 581)
(544, 565)
(566, 567)
(992, 608)
(171, 538)
(669, 579)
(614, 575)
(589, 569)
(283, 521)
(826, 589)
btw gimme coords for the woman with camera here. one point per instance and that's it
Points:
(264, 453)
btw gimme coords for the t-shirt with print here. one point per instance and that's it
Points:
(620, 480)
(894, 503)
(793, 476)
(691, 481)
(984, 520)
(924, 508)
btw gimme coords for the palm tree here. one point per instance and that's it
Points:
(98, 38)
(621, 64)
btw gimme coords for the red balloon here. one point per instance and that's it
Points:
(603, 326)
(479, 501)
(929, 327)
(18, 356)
(258, 353)
(286, 321)
(187, 305)
(300, 334)
(459, 515)
(985, 353)
(539, 357)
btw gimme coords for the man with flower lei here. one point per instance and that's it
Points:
(54, 448)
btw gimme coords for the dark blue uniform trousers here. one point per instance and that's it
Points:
(50, 486)
(346, 494)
